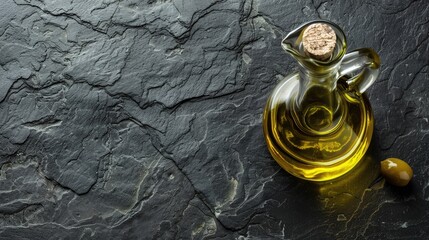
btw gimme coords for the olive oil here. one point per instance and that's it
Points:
(323, 144)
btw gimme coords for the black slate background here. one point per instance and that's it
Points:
(129, 119)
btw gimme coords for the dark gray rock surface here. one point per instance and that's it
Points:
(141, 119)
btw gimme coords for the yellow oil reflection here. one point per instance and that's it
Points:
(345, 192)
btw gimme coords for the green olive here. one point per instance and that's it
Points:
(396, 171)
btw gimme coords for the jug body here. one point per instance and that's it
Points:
(317, 122)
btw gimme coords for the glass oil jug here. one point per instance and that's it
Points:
(317, 122)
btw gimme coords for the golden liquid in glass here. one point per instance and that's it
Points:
(315, 143)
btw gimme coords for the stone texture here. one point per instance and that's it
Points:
(142, 120)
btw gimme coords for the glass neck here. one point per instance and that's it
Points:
(318, 101)
(325, 81)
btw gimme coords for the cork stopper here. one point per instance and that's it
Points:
(319, 41)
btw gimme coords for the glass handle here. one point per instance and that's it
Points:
(364, 60)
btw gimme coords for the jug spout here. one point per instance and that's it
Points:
(293, 44)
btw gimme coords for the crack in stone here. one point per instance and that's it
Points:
(72, 16)
(21, 209)
(395, 65)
